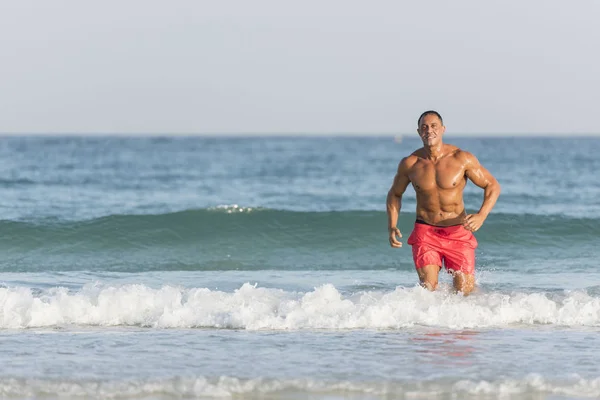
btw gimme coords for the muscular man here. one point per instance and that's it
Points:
(443, 231)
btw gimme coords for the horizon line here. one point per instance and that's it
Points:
(303, 134)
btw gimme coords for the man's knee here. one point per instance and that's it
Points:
(464, 283)
(429, 284)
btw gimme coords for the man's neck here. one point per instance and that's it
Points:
(434, 153)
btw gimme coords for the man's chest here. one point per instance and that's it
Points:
(427, 176)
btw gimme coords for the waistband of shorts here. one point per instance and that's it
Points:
(421, 222)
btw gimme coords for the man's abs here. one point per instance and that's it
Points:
(441, 207)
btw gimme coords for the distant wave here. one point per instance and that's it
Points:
(268, 227)
(15, 182)
(257, 308)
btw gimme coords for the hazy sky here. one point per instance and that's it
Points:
(309, 66)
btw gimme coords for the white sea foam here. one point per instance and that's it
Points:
(233, 208)
(224, 387)
(251, 307)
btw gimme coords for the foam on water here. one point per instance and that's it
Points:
(253, 308)
(224, 387)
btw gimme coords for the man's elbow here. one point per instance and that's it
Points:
(496, 188)
(390, 196)
(393, 197)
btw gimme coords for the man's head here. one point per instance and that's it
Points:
(431, 128)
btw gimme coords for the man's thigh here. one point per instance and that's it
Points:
(460, 258)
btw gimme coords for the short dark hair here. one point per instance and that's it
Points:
(437, 114)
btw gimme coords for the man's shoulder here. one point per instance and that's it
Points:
(459, 153)
(407, 163)
(465, 158)
(413, 157)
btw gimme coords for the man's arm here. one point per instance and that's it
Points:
(491, 190)
(394, 202)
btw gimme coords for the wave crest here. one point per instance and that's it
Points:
(255, 308)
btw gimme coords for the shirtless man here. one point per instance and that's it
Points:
(443, 231)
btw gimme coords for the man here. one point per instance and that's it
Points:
(443, 231)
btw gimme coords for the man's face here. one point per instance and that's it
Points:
(431, 130)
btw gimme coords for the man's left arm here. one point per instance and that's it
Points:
(491, 190)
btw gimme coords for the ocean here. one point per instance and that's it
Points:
(260, 268)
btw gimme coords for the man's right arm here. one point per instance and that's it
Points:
(394, 202)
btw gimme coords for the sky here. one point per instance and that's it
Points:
(299, 67)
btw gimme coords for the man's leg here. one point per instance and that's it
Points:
(459, 258)
(464, 283)
(428, 275)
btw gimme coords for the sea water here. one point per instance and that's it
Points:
(259, 267)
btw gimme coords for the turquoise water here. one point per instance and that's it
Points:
(260, 268)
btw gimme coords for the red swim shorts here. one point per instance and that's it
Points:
(454, 245)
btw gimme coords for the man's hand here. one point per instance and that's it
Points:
(473, 222)
(394, 235)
